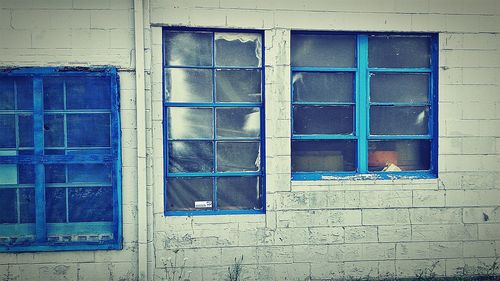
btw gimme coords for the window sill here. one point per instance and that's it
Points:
(47, 247)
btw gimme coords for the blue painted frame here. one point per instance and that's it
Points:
(362, 103)
(39, 159)
(261, 174)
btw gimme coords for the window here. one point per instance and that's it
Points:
(363, 105)
(59, 159)
(213, 129)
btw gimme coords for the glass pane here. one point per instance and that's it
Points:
(7, 94)
(188, 85)
(392, 87)
(323, 87)
(86, 130)
(399, 120)
(238, 156)
(238, 85)
(190, 156)
(190, 122)
(323, 50)
(8, 209)
(235, 193)
(88, 93)
(90, 204)
(54, 130)
(238, 49)
(100, 173)
(399, 155)
(8, 172)
(323, 155)
(55, 206)
(27, 205)
(25, 123)
(399, 51)
(26, 173)
(55, 173)
(188, 48)
(53, 93)
(24, 88)
(323, 119)
(189, 193)
(234, 122)
(7, 131)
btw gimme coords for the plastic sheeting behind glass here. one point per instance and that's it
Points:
(238, 49)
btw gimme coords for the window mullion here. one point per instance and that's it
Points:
(362, 103)
(38, 134)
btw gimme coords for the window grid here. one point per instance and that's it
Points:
(214, 105)
(39, 159)
(362, 104)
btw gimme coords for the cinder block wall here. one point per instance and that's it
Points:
(77, 33)
(341, 228)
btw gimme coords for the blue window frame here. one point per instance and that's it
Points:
(60, 164)
(213, 121)
(364, 105)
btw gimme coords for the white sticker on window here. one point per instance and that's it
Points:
(202, 204)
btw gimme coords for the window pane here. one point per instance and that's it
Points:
(399, 155)
(8, 172)
(238, 85)
(86, 130)
(183, 193)
(238, 156)
(55, 173)
(188, 48)
(8, 209)
(323, 119)
(7, 94)
(190, 122)
(323, 50)
(239, 193)
(24, 87)
(25, 123)
(90, 204)
(323, 155)
(27, 205)
(53, 93)
(238, 49)
(54, 130)
(88, 93)
(235, 122)
(190, 156)
(399, 51)
(56, 204)
(392, 87)
(188, 85)
(323, 87)
(100, 173)
(26, 173)
(399, 120)
(8, 131)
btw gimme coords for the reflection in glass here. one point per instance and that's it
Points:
(238, 49)
(399, 120)
(188, 48)
(188, 85)
(323, 155)
(323, 119)
(399, 155)
(237, 122)
(183, 193)
(323, 50)
(235, 193)
(190, 156)
(238, 85)
(190, 122)
(323, 87)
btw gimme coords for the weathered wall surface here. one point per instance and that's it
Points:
(77, 33)
(325, 229)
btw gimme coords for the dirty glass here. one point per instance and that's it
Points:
(188, 48)
(53, 93)
(190, 122)
(188, 85)
(88, 130)
(88, 93)
(190, 156)
(183, 193)
(235, 193)
(323, 87)
(25, 130)
(7, 94)
(88, 204)
(399, 155)
(8, 131)
(323, 155)
(238, 49)
(53, 125)
(26, 205)
(237, 122)
(238, 156)
(238, 85)
(399, 120)
(8, 207)
(321, 50)
(399, 87)
(55, 207)
(323, 119)
(399, 51)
